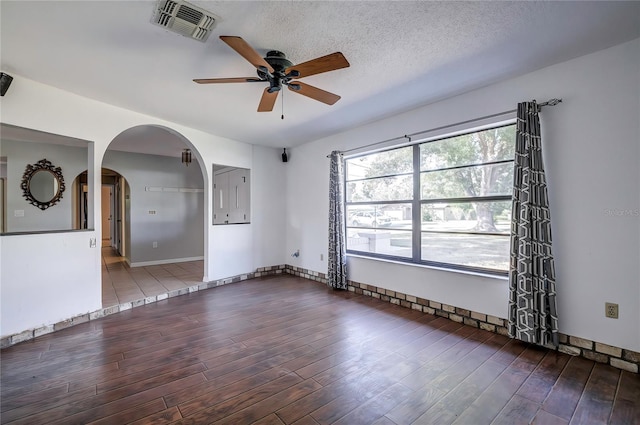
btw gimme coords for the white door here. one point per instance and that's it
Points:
(107, 217)
(221, 198)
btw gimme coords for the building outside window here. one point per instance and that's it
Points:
(443, 202)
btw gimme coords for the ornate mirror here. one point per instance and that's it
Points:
(42, 184)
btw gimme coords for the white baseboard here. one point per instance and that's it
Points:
(171, 260)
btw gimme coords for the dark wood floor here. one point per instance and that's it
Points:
(287, 350)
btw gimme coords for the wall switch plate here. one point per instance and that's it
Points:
(321, 257)
(155, 244)
(611, 310)
(92, 242)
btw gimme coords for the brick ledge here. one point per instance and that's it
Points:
(106, 311)
(619, 358)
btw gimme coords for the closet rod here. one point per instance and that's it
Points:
(550, 102)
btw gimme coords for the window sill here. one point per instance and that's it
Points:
(426, 266)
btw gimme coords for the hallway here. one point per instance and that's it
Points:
(122, 284)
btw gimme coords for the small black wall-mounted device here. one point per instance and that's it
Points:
(5, 82)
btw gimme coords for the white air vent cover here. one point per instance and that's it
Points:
(184, 18)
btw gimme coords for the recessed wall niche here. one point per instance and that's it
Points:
(231, 195)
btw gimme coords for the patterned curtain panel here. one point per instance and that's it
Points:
(532, 299)
(337, 259)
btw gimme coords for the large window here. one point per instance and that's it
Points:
(444, 202)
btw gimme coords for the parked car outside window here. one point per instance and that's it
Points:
(370, 219)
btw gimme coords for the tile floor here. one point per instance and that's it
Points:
(121, 283)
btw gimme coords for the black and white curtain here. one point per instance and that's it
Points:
(337, 259)
(532, 287)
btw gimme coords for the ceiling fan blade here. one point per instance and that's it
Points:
(313, 92)
(268, 101)
(227, 80)
(319, 65)
(246, 51)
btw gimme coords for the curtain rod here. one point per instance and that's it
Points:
(550, 102)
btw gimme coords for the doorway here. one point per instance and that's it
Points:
(107, 215)
(113, 215)
(161, 214)
(113, 212)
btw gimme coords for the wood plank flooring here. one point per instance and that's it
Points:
(285, 350)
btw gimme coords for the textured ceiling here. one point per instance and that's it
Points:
(402, 55)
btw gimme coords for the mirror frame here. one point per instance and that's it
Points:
(29, 171)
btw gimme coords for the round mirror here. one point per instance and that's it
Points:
(42, 184)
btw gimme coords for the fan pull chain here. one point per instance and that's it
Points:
(282, 103)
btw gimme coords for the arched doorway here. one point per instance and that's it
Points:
(161, 216)
(113, 190)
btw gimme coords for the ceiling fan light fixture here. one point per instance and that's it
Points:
(276, 70)
(293, 74)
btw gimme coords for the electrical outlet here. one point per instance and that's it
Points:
(155, 244)
(321, 257)
(92, 242)
(611, 310)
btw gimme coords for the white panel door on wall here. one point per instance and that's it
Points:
(221, 198)
(239, 196)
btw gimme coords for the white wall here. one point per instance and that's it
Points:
(72, 161)
(262, 241)
(72, 267)
(47, 278)
(179, 219)
(268, 195)
(592, 157)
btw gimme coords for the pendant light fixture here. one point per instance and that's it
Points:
(186, 157)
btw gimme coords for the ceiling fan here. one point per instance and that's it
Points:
(277, 70)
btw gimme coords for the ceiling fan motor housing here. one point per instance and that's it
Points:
(279, 63)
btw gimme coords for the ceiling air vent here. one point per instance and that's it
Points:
(184, 18)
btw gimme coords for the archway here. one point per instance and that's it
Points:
(163, 212)
(113, 188)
